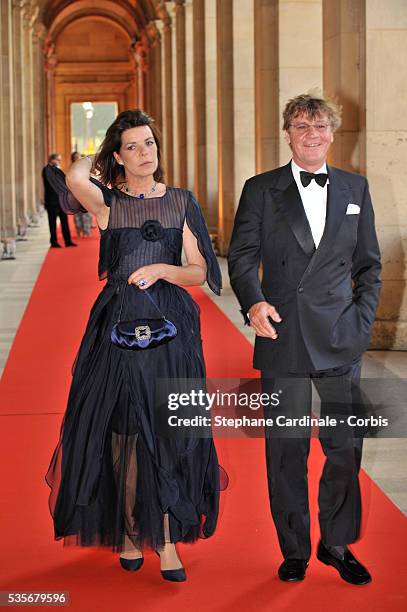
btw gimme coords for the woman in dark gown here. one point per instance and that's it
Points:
(114, 481)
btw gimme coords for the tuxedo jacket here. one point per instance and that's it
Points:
(51, 199)
(327, 297)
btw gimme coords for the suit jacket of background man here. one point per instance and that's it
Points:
(51, 199)
(327, 297)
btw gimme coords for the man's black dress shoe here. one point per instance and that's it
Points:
(131, 565)
(349, 568)
(56, 246)
(71, 244)
(292, 570)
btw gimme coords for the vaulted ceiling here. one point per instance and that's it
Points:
(132, 16)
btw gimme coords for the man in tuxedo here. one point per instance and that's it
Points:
(51, 203)
(311, 229)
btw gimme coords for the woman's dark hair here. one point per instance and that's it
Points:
(110, 172)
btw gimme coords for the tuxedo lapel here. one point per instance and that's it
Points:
(339, 196)
(287, 195)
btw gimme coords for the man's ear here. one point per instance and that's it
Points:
(287, 137)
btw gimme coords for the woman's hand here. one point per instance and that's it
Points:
(146, 276)
(194, 273)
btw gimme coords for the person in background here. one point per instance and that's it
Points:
(82, 220)
(51, 203)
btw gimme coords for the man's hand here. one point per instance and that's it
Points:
(259, 314)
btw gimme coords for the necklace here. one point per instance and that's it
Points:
(140, 196)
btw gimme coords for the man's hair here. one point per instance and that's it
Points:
(53, 156)
(313, 107)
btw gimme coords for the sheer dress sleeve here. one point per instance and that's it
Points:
(197, 225)
(70, 205)
(67, 201)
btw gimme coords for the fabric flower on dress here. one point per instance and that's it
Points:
(152, 230)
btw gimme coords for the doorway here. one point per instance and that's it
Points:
(89, 122)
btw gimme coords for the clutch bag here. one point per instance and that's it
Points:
(143, 333)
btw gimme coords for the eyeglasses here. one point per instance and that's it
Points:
(302, 128)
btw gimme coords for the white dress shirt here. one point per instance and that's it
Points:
(314, 200)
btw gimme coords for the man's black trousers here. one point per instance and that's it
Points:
(54, 212)
(287, 449)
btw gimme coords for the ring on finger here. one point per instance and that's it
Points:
(142, 282)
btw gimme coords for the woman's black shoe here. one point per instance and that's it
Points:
(177, 575)
(174, 575)
(132, 565)
(349, 567)
(292, 570)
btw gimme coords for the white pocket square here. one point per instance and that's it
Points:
(353, 209)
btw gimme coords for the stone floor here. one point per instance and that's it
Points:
(384, 459)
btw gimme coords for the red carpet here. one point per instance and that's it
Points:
(236, 569)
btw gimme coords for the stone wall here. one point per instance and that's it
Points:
(216, 75)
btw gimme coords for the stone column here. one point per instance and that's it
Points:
(7, 164)
(181, 93)
(150, 84)
(50, 63)
(175, 152)
(140, 55)
(211, 114)
(226, 143)
(30, 14)
(39, 108)
(154, 39)
(160, 75)
(1, 137)
(20, 122)
(386, 159)
(143, 47)
(189, 58)
(300, 54)
(344, 39)
(267, 120)
(168, 122)
(199, 107)
(132, 94)
(244, 94)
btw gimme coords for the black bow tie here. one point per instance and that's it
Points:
(306, 178)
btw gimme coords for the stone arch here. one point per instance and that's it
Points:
(114, 37)
(82, 72)
(113, 18)
(135, 20)
(136, 14)
(52, 10)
